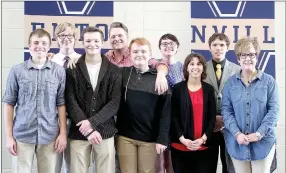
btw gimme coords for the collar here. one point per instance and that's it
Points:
(30, 64)
(124, 56)
(222, 63)
(258, 74)
(71, 55)
(150, 70)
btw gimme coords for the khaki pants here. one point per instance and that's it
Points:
(65, 155)
(47, 158)
(257, 166)
(103, 156)
(136, 156)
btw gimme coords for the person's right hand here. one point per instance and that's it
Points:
(72, 62)
(12, 146)
(218, 123)
(186, 142)
(242, 139)
(94, 138)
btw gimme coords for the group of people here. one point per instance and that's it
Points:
(137, 114)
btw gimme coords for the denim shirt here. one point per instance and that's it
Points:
(36, 94)
(248, 110)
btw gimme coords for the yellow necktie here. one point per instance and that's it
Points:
(218, 71)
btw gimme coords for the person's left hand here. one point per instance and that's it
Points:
(85, 127)
(72, 62)
(161, 85)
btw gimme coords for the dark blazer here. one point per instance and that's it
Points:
(98, 106)
(182, 112)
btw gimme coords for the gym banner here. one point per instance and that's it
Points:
(236, 19)
(48, 14)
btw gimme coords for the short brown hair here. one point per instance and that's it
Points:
(62, 27)
(40, 33)
(170, 37)
(202, 60)
(118, 25)
(92, 29)
(140, 41)
(220, 36)
(244, 44)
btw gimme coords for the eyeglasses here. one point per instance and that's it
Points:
(250, 55)
(64, 36)
(165, 44)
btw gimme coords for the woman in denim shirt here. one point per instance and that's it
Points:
(250, 108)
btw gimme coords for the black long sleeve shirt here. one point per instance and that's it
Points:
(143, 114)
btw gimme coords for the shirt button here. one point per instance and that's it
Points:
(93, 98)
(247, 103)
(93, 110)
(247, 124)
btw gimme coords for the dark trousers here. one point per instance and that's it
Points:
(220, 144)
(203, 161)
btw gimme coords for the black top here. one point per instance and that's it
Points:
(182, 112)
(143, 115)
(98, 106)
(222, 63)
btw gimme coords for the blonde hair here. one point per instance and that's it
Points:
(244, 44)
(63, 26)
(40, 33)
(140, 41)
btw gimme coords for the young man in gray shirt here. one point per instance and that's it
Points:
(36, 88)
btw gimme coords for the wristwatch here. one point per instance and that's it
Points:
(258, 135)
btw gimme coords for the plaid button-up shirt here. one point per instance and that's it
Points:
(126, 60)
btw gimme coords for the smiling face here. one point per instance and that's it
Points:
(168, 48)
(66, 38)
(39, 46)
(195, 68)
(118, 38)
(218, 49)
(140, 55)
(248, 60)
(247, 50)
(92, 43)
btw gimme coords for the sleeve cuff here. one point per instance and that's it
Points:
(162, 141)
(93, 125)
(235, 132)
(262, 132)
(60, 102)
(11, 100)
